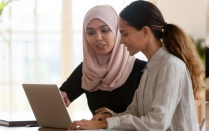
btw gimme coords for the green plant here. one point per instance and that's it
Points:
(200, 46)
(3, 4)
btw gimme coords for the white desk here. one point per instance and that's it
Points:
(5, 128)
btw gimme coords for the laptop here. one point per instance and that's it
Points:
(48, 106)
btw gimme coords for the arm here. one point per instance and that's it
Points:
(97, 122)
(72, 86)
(168, 86)
(65, 98)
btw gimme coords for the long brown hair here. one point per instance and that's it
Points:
(142, 13)
(179, 44)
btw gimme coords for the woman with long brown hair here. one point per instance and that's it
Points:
(165, 98)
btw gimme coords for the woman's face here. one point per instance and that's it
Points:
(132, 38)
(100, 37)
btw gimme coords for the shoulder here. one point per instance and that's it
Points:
(138, 61)
(172, 63)
(78, 69)
(80, 66)
(175, 61)
(140, 64)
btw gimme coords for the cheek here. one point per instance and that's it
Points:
(89, 39)
(111, 41)
(135, 44)
(90, 42)
(132, 40)
(136, 40)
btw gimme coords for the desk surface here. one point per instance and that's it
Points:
(5, 128)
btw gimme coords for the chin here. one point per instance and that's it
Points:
(131, 54)
(102, 52)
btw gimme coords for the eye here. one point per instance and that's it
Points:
(105, 30)
(124, 34)
(90, 32)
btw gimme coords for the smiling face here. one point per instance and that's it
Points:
(132, 38)
(100, 37)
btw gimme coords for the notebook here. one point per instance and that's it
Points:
(48, 106)
(16, 122)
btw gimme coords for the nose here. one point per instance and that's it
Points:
(98, 36)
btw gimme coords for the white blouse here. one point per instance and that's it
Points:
(164, 100)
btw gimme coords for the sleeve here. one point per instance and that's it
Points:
(166, 98)
(72, 86)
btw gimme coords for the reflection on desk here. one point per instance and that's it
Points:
(50, 129)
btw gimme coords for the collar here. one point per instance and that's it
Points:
(156, 57)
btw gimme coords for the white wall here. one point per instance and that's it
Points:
(188, 14)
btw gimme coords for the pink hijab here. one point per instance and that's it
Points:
(119, 65)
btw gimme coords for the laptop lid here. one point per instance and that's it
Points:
(47, 105)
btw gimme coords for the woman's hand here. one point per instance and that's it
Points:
(102, 114)
(103, 109)
(88, 124)
(101, 117)
(65, 98)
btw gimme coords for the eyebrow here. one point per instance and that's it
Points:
(99, 27)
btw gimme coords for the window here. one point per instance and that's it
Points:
(30, 50)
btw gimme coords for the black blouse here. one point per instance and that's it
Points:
(116, 100)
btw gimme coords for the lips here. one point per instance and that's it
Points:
(100, 46)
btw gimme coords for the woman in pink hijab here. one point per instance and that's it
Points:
(108, 75)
